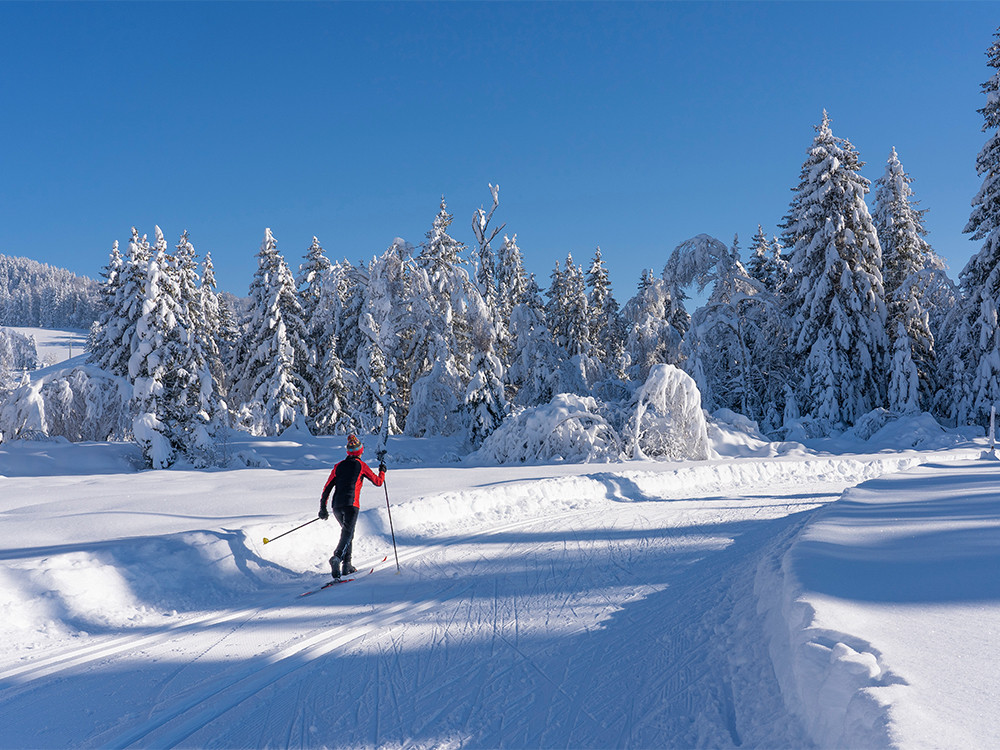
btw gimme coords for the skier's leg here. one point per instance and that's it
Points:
(350, 521)
(347, 517)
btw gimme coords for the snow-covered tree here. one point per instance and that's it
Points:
(39, 295)
(312, 272)
(718, 344)
(655, 322)
(384, 320)
(271, 386)
(314, 267)
(440, 351)
(195, 408)
(669, 422)
(512, 283)
(18, 355)
(153, 368)
(125, 291)
(837, 297)
(329, 416)
(102, 338)
(906, 257)
(607, 338)
(487, 269)
(485, 405)
(980, 279)
(533, 374)
(212, 329)
(567, 308)
(766, 264)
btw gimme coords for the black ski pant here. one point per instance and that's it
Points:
(347, 518)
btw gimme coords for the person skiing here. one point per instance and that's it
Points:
(345, 482)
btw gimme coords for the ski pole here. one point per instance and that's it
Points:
(266, 540)
(391, 530)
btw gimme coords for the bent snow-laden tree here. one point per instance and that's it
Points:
(837, 298)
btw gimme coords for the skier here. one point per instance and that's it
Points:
(345, 482)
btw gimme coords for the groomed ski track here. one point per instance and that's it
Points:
(624, 616)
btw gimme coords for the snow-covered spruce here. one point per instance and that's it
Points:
(838, 329)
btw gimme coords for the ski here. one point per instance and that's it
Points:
(335, 581)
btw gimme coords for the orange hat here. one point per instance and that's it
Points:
(354, 446)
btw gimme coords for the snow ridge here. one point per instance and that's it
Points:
(507, 501)
(826, 677)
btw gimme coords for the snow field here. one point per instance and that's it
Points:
(883, 613)
(564, 605)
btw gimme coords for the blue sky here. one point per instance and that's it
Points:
(629, 126)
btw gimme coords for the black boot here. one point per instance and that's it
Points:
(346, 568)
(335, 566)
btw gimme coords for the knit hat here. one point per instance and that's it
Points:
(354, 446)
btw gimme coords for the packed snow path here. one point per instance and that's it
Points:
(618, 610)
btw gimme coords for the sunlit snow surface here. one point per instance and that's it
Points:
(722, 603)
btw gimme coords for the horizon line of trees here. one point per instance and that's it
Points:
(845, 311)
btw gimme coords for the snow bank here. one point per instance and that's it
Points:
(880, 612)
(509, 501)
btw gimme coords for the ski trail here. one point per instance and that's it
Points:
(628, 624)
(214, 700)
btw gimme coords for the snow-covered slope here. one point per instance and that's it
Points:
(641, 604)
(56, 346)
(885, 612)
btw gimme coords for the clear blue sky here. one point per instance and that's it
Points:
(629, 126)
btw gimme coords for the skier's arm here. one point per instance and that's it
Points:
(326, 494)
(375, 479)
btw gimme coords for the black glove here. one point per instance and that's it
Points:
(323, 512)
(381, 467)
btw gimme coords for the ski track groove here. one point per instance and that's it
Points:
(248, 681)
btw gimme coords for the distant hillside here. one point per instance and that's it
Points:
(39, 295)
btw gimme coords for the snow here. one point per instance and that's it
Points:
(56, 346)
(829, 594)
(891, 601)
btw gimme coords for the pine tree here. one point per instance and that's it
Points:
(837, 296)
(486, 260)
(272, 386)
(512, 283)
(154, 365)
(720, 356)
(485, 406)
(606, 335)
(905, 257)
(440, 351)
(212, 330)
(125, 297)
(763, 264)
(194, 406)
(103, 331)
(655, 322)
(312, 271)
(980, 279)
(533, 374)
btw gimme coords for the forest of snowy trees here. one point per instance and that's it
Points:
(37, 295)
(843, 311)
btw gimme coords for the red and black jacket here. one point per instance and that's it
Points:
(345, 482)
